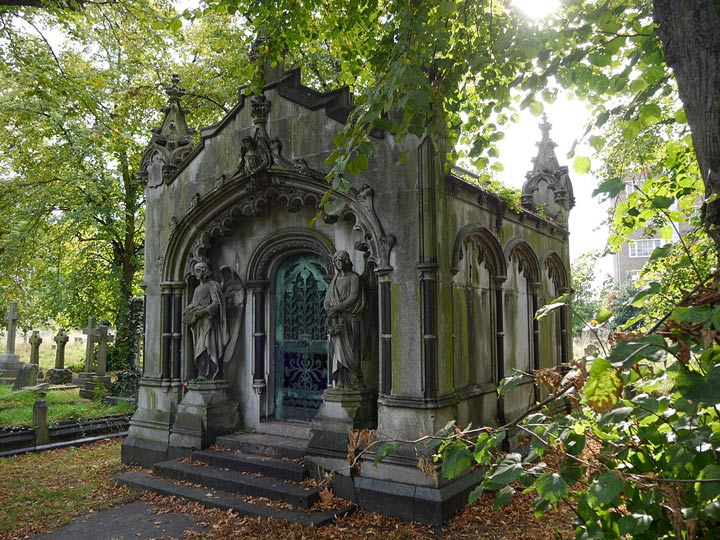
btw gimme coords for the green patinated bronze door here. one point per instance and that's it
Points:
(301, 351)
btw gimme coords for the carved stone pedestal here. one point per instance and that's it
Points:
(204, 413)
(59, 376)
(10, 366)
(342, 412)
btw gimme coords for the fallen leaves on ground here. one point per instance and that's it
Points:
(44, 491)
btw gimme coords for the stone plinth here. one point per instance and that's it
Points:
(59, 376)
(204, 413)
(89, 381)
(342, 412)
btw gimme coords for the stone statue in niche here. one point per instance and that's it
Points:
(344, 304)
(207, 318)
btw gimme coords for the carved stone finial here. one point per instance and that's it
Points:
(548, 187)
(546, 161)
(170, 144)
(260, 110)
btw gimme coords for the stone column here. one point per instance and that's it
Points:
(35, 341)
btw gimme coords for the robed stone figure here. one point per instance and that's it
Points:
(207, 319)
(344, 303)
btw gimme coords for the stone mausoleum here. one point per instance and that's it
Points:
(398, 314)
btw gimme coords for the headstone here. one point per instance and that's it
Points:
(61, 339)
(91, 334)
(11, 317)
(60, 375)
(35, 341)
(103, 338)
(27, 376)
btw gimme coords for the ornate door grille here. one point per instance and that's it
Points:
(301, 356)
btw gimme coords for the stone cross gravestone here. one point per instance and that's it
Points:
(61, 339)
(35, 341)
(60, 375)
(91, 334)
(10, 363)
(11, 317)
(103, 338)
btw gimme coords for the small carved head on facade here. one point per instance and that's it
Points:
(341, 260)
(201, 271)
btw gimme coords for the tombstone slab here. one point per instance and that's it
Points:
(27, 376)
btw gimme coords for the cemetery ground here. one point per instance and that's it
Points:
(44, 491)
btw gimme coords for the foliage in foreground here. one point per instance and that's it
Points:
(640, 445)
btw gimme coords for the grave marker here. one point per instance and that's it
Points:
(35, 341)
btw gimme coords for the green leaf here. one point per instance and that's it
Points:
(383, 450)
(603, 386)
(556, 304)
(661, 252)
(650, 114)
(508, 383)
(650, 289)
(699, 388)
(605, 490)
(615, 416)
(634, 523)
(175, 24)
(456, 459)
(707, 491)
(508, 470)
(504, 496)
(603, 315)
(630, 351)
(536, 108)
(551, 487)
(475, 494)
(611, 187)
(662, 202)
(334, 207)
(581, 164)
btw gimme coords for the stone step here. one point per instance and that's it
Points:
(275, 468)
(296, 430)
(265, 445)
(141, 480)
(232, 481)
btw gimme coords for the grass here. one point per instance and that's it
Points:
(43, 491)
(16, 406)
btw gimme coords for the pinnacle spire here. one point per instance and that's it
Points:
(546, 160)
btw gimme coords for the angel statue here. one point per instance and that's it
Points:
(207, 316)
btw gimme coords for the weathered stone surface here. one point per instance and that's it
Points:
(59, 376)
(27, 376)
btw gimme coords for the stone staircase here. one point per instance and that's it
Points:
(254, 474)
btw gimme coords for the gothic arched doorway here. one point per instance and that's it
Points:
(301, 351)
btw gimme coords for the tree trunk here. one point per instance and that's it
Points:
(690, 34)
